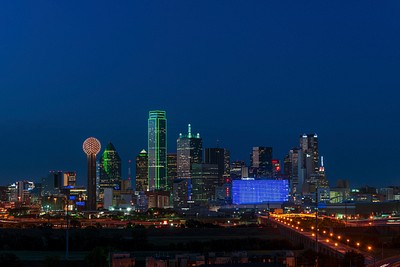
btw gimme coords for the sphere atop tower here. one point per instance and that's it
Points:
(91, 146)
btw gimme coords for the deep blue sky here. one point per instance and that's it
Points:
(247, 73)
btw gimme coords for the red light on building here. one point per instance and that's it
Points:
(276, 166)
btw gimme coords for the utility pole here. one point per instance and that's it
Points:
(316, 226)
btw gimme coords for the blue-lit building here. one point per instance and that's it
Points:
(251, 191)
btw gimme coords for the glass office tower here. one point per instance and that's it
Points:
(157, 150)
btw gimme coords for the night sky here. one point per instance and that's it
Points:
(246, 73)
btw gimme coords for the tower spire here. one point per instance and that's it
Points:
(189, 130)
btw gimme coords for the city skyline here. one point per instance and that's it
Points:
(244, 74)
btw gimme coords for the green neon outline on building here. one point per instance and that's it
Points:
(157, 150)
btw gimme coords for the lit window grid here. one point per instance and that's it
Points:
(259, 191)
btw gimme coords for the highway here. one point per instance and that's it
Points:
(325, 240)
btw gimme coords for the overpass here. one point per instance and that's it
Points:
(291, 229)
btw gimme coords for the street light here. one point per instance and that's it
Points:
(373, 256)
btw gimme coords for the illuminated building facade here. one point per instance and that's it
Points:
(251, 191)
(220, 157)
(109, 170)
(189, 151)
(3, 193)
(261, 162)
(291, 171)
(204, 181)
(91, 146)
(311, 173)
(56, 181)
(181, 193)
(24, 189)
(158, 199)
(276, 168)
(172, 169)
(142, 171)
(53, 183)
(310, 154)
(157, 150)
(69, 178)
(238, 170)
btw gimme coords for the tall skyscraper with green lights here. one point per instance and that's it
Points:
(157, 150)
(109, 170)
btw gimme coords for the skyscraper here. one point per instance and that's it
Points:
(142, 171)
(172, 175)
(189, 151)
(219, 156)
(261, 161)
(238, 170)
(109, 169)
(53, 183)
(157, 150)
(311, 173)
(310, 154)
(204, 181)
(291, 171)
(91, 147)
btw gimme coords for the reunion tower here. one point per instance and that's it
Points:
(91, 147)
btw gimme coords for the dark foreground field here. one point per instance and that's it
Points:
(41, 247)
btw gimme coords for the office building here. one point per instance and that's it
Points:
(310, 154)
(189, 151)
(172, 169)
(181, 193)
(142, 171)
(69, 178)
(24, 189)
(239, 170)
(3, 193)
(158, 199)
(311, 170)
(157, 150)
(204, 180)
(109, 170)
(220, 157)
(261, 162)
(53, 183)
(91, 146)
(291, 171)
(276, 168)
